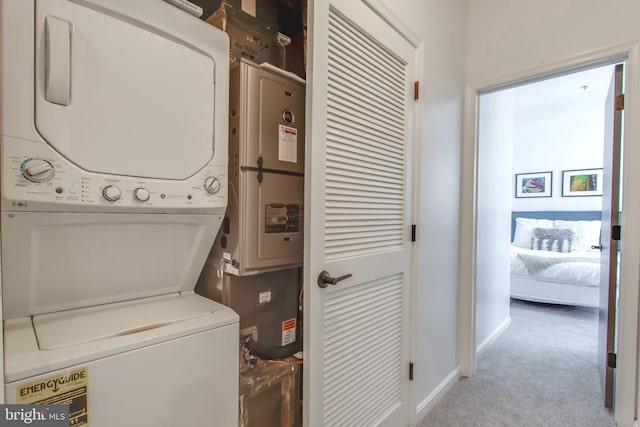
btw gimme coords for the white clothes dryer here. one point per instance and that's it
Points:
(114, 184)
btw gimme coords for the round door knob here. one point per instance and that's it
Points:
(111, 193)
(141, 194)
(37, 170)
(212, 184)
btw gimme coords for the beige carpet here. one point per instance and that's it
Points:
(542, 371)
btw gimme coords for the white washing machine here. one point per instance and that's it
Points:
(114, 184)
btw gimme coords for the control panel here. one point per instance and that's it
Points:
(40, 177)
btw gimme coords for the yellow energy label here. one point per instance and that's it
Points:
(67, 388)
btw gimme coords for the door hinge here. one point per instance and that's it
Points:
(615, 232)
(612, 360)
(619, 102)
(411, 371)
(416, 91)
(413, 232)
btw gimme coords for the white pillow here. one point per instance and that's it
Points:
(587, 234)
(524, 230)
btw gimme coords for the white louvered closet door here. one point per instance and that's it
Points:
(361, 74)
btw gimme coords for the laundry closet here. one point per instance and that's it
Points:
(142, 146)
(155, 223)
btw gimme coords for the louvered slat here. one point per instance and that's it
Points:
(362, 351)
(355, 139)
(356, 168)
(364, 159)
(365, 145)
(366, 153)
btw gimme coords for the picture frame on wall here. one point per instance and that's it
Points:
(582, 183)
(534, 184)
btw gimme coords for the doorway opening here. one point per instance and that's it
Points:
(541, 173)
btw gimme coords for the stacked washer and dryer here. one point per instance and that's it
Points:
(114, 185)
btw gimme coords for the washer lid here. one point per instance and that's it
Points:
(67, 328)
(118, 96)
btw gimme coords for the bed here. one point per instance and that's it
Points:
(552, 259)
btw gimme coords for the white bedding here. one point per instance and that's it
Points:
(577, 268)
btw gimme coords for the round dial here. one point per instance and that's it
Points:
(111, 193)
(37, 170)
(212, 184)
(141, 194)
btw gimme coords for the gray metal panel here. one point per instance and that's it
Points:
(264, 96)
(265, 231)
(257, 248)
(247, 296)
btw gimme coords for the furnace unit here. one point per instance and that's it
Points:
(263, 229)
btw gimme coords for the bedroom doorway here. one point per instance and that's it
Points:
(535, 141)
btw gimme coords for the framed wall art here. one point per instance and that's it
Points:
(582, 182)
(534, 184)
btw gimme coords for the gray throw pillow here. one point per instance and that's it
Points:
(552, 239)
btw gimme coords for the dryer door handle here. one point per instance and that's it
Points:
(58, 60)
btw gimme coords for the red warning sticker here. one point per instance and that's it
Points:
(289, 331)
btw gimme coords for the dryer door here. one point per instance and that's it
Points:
(116, 95)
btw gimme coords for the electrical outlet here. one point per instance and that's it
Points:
(250, 331)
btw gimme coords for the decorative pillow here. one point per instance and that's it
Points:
(587, 234)
(552, 239)
(524, 230)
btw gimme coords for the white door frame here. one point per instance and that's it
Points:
(627, 376)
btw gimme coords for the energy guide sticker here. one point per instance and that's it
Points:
(68, 388)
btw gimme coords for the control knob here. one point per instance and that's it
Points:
(141, 194)
(111, 193)
(37, 170)
(212, 184)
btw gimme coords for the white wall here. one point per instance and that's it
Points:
(513, 39)
(442, 26)
(496, 136)
(509, 36)
(555, 138)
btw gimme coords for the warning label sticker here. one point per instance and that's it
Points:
(69, 388)
(289, 331)
(287, 144)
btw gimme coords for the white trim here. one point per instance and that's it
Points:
(628, 375)
(389, 16)
(569, 65)
(494, 335)
(626, 385)
(468, 237)
(415, 246)
(427, 404)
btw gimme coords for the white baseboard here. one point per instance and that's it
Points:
(494, 335)
(427, 404)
